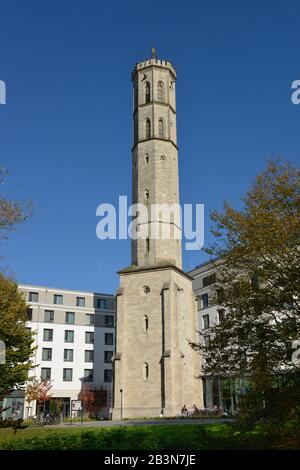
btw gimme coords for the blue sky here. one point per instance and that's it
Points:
(66, 130)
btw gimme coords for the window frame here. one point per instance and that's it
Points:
(111, 353)
(56, 297)
(47, 350)
(48, 330)
(108, 372)
(90, 316)
(89, 352)
(43, 369)
(78, 301)
(67, 314)
(65, 369)
(67, 350)
(106, 336)
(90, 333)
(90, 377)
(51, 312)
(31, 295)
(65, 335)
(204, 318)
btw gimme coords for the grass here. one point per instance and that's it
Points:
(174, 437)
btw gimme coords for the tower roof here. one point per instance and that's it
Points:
(153, 61)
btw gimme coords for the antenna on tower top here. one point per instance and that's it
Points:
(153, 53)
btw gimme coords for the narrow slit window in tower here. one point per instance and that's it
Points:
(161, 129)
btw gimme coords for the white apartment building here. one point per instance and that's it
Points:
(216, 392)
(74, 336)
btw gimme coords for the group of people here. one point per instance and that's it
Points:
(195, 411)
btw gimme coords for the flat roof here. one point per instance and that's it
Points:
(59, 289)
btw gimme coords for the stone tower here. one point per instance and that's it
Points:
(154, 367)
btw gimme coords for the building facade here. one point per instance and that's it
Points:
(155, 370)
(74, 339)
(223, 393)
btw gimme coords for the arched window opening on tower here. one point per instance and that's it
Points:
(146, 371)
(148, 129)
(147, 245)
(160, 92)
(146, 323)
(146, 194)
(147, 92)
(146, 158)
(161, 129)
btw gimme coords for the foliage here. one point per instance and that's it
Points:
(15, 424)
(38, 390)
(257, 258)
(88, 397)
(17, 339)
(174, 437)
(277, 406)
(94, 400)
(13, 213)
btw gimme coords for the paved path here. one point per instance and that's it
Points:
(144, 422)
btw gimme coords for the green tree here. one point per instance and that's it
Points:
(12, 213)
(13, 309)
(17, 339)
(257, 253)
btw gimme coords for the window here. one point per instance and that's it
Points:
(69, 336)
(109, 338)
(146, 194)
(68, 355)
(109, 321)
(88, 356)
(48, 334)
(70, 318)
(206, 341)
(146, 371)
(146, 323)
(205, 322)
(146, 158)
(29, 314)
(101, 304)
(204, 300)
(160, 92)
(147, 241)
(80, 301)
(147, 92)
(88, 375)
(220, 295)
(57, 299)
(108, 356)
(221, 315)
(107, 375)
(89, 319)
(67, 375)
(148, 129)
(45, 373)
(49, 316)
(33, 297)
(47, 354)
(89, 337)
(208, 280)
(161, 129)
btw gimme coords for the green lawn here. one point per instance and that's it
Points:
(174, 437)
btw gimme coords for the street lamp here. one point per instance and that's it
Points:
(121, 392)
